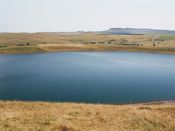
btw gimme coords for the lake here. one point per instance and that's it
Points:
(88, 77)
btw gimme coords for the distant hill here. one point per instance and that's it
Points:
(135, 31)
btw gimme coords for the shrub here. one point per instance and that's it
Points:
(20, 44)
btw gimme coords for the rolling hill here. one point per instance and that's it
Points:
(135, 31)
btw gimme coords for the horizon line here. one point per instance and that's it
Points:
(83, 31)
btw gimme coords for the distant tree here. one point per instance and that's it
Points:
(20, 44)
(154, 44)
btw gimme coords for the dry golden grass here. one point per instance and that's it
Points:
(102, 47)
(24, 116)
(48, 42)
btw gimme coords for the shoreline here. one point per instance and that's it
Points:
(89, 103)
(43, 49)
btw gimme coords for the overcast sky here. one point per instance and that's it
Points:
(84, 15)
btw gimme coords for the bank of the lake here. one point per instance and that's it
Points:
(44, 48)
(34, 116)
(15, 43)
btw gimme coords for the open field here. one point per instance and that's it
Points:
(12, 43)
(34, 116)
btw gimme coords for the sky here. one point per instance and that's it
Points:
(85, 15)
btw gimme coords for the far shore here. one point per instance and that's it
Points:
(46, 48)
(22, 43)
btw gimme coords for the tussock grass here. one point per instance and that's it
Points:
(84, 117)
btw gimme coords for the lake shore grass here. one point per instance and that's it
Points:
(16, 115)
(21, 50)
(82, 48)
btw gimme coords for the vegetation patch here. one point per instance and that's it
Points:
(167, 37)
(20, 49)
(77, 117)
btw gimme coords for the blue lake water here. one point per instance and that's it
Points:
(89, 77)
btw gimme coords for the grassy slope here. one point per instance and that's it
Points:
(72, 116)
(48, 42)
(20, 49)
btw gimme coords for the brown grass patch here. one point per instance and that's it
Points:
(78, 117)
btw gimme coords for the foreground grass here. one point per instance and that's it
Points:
(77, 117)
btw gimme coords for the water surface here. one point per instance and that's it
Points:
(90, 77)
